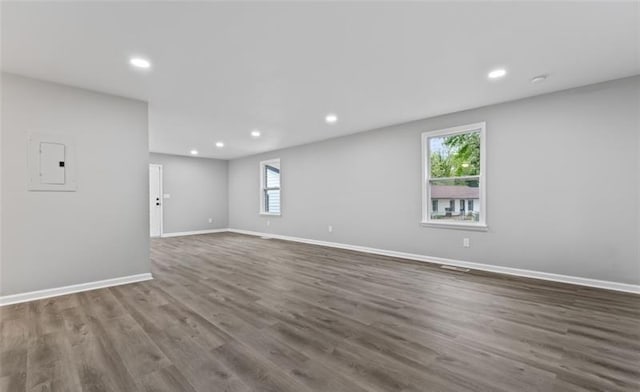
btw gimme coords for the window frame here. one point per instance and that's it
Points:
(426, 220)
(263, 188)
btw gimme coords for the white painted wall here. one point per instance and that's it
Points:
(1, 155)
(579, 146)
(101, 231)
(198, 189)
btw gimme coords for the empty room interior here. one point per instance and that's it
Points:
(319, 196)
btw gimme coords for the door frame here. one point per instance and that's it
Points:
(159, 166)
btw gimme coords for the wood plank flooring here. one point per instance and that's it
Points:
(228, 312)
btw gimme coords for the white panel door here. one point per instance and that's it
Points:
(52, 163)
(155, 200)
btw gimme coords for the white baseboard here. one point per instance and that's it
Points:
(183, 233)
(47, 293)
(603, 284)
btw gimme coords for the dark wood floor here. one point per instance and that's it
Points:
(228, 312)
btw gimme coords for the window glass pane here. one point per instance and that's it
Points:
(272, 174)
(455, 155)
(457, 200)
(272, 201)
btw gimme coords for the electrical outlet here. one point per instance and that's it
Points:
(465, 242)
(330, 229)
(268, 222)
(210, 220)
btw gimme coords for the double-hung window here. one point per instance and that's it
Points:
(454, 167)
(270, 202)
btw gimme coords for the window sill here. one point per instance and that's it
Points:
(270, 214)
(456, 226)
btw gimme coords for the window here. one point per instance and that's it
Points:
(270, 203)
(454, 169)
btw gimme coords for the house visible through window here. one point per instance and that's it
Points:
(455, 170)
(270, 202)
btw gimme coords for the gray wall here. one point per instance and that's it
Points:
(198, 189)
(1, 187)
(562, 184)
(53, 239)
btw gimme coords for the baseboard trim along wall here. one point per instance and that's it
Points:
(603, 284)
(183, 233)
(48, 293)
(55, 292)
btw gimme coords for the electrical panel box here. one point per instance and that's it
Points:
(51, 163)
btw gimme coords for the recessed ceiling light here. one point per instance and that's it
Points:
(331, 118)
(219, 144)
(193, 152)
(539, 78)
(140, 62)
(255, 133)
(497, 73)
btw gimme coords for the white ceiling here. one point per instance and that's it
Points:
(223, 69)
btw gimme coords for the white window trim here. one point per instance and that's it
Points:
(262, 186)
(426, 221)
